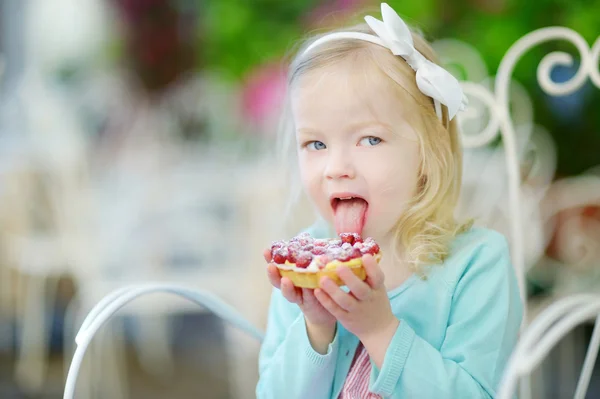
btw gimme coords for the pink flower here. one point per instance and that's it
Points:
(263, 94)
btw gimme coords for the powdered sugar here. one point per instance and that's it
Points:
(306, 254)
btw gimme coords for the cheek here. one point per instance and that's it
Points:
(310, 174)
(395, 181)
(306, 168)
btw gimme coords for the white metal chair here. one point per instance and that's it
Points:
(136, 243)
(540, 337)
(110, 304)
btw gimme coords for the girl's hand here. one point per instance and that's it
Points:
(365, 311)
(314, 312)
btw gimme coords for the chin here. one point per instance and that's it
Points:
(369, 232)
(378, 235)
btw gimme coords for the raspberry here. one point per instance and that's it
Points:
(294, 246)
(358, 245)
(349, 254)
(280, 255)
(300, 242)
(319, 251)
(346, 245)
(293, 252)
(308, 247)
(347, 237)
(351, 238)
(335, 243)
(303, 259)
(335, 252)
(302, 239)
(277, 244)
(371, 248)
(320, 243)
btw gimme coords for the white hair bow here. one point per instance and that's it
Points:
(432, 80)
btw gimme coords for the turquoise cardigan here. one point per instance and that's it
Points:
(457, 329)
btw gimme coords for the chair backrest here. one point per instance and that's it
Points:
(538, 338)
(112, 302)
(497, 104)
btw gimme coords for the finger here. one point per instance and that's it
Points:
(274, 276)
(267, 255)
(359, 288)
(289, 291)
(344, 300)
(375, 277)
(329, 304)
(308, 297)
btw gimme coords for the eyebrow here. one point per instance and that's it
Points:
(353, 127)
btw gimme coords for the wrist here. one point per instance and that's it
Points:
(322, 326)
(320, 335)
(380, 337)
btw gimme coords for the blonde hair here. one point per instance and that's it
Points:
(427, 226)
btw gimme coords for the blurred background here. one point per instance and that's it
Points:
(137, 143)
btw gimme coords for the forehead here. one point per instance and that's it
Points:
(348, 93)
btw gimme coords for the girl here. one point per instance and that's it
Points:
(378, 154)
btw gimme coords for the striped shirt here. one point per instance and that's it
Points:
(356, 385)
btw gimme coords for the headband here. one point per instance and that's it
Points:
(393, 34)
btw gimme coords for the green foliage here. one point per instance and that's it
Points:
(236, 36)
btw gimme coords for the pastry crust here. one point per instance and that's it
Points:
(304, 278)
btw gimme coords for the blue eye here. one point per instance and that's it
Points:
(370, 141)
(316, 145)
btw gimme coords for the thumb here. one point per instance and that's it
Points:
(267, 255)
(375, 277)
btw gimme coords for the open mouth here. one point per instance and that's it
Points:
(350, 213)
(335, 201)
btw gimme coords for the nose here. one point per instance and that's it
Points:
(339, 166)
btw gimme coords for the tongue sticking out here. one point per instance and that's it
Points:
(350, 215)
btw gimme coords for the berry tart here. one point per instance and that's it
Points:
(305, 260)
